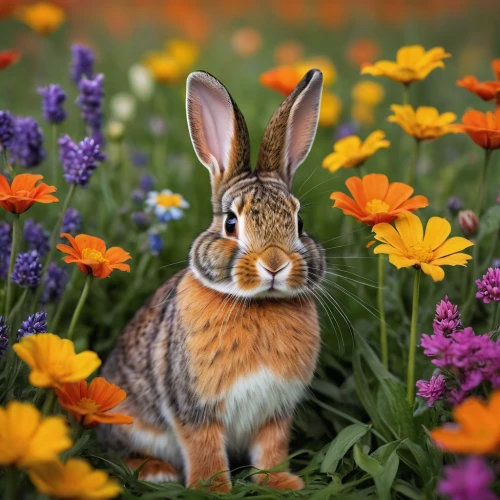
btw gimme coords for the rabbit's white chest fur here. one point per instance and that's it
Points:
(253, 399)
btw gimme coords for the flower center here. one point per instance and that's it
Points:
(90, 253)
(168, 200)
(89, 405)
(421, 252)
(376, 207)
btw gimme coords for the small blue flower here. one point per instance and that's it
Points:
(146, 182)
(37, 323)
(55, 283)
(140, 219)
(155, 243)
(138, 158)
(166, 205)
(36, 237)
(27, 270)
(52, 103)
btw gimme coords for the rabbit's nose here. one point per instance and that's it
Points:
(274, 260)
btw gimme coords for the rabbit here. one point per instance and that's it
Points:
(217, 360)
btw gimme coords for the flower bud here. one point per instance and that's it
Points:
(455, 204)
(115, 131)
(123, 106)
(141, 82)
(468, 222)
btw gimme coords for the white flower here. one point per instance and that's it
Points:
(141, 82)
(123, 106)
(115, 130)
(166, 205)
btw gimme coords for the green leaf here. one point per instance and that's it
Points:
(366, 463)
(386, 479)
(383, 453)
(344, 441)
(489, 223)
(407, 490)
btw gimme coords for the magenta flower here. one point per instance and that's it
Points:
(431, 390)
(447, 318)
(489, 286)
(467, 480)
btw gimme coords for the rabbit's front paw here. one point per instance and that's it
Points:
(281, 481)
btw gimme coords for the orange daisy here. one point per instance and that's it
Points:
(477, 431)
(282, 79)
(24, 193)
(375, 200)
(485, 90)
(90, 255)
(90, 404)
(8, 57)
(482, 128)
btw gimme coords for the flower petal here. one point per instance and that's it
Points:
(434, 271)
(410, 228)
(453, 245)
(436, 232)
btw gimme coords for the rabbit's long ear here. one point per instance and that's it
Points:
(218, 130)
(289, 136)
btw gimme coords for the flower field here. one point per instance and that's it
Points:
(102, 196)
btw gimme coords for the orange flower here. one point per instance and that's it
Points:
(482, 128)
(478, 427)
(8, 57)
(375, 200)
(485, 90)
(90, 255)
(282, 79)
(24, 193)
(361, 51)
(90, 404)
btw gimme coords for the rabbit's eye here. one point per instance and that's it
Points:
(300, 224)
(231, 224)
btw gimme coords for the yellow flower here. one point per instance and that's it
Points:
(408, 246)
(368, 92)
(183, 51)
(164, 68)
(412, 64)
(26, 438)
(74, 479)
(362, 113)
(42, 17)
(352, 152)
(330, 109)
(424, 123)
(323, 64)
(53, 361)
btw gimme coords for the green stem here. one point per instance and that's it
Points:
(50, 399)
(413, 164)
(79, 307)
(54, 238)
(383, 327)
(62, 302)
(410, 394)
(13, 253)
(406, 94)
(11, 483)
(53, 153)
(471, 296)
(482, 184)
(16, 308)
(494, 316)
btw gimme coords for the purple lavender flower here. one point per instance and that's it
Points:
(27, 270)
(90, 100)
(138, 158)
(7, 129)
(146, 182)
(447, 318)
(4, 336)
(80, 160)
(36, 237)
(346, 129)
(431, 390)
(53, 98)
(55, 283)
(82, 63)
(26, 147)
(72, 221)
(140, 219)
(37, 323)
(469, 479)
(489, 286)
(5, 245)
(455, 204)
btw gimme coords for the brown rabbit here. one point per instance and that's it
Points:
(217, 360)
